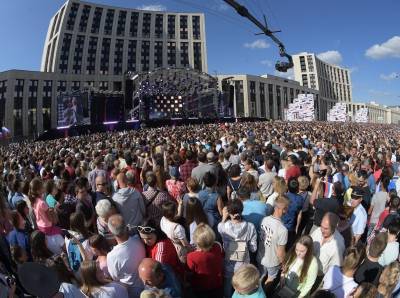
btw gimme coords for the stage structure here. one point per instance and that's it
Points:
(338, 113)
(174, 93)
(302, 108)
(361, 116)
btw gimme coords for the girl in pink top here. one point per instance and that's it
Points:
(45, 216)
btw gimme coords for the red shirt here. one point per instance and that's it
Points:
(186, 169)
(207, 268)
(382, 218)
(293, 172)
(164, 252)
(175, 188)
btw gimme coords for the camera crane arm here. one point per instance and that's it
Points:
(244, 12)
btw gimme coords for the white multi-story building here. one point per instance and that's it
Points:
(90, 39)
(332, 82)
(93, 46)
(268, 96)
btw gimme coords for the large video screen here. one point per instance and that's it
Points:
(73, 109)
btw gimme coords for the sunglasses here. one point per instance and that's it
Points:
(101, 184)
(146, 230)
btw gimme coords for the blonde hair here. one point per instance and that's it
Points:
(279, 185)
(154, 293)
(389, 277)
(304, 183)
(204, 237)
(353, 178)
(246, 279)
(282, 200)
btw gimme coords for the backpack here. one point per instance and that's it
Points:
(234, 191)
(236, 248)
(74, 256)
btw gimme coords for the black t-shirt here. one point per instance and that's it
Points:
(322, 206)
(368, 272)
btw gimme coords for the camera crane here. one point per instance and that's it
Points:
(281, 66)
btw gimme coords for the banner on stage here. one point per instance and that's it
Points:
(361, 115)
(302, 108)
(338, 113)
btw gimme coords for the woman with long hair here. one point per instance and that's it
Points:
(96, 285)
(80, 233)
(195, 215)
(280, 188)
(100, 249)
(300, 269)
(158, 246)
(388, 280)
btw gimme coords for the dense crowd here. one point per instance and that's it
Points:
(262, 209)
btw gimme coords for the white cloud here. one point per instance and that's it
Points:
(153, 7)
(221, 7)
(266, 62)
(353, 69)
(333, 57)
(389, 77)
(390, 48)
(288, 75)
(257, 44)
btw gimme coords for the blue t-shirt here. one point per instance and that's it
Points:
(19, 238)
(258, 294)
(51, 201)
(15, 199)
(254, 211)
(295, 206)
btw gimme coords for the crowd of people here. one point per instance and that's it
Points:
(261, 209)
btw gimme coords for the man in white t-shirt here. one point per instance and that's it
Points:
(359, 218)
(273, 239)
(328, 243)
(124, 259)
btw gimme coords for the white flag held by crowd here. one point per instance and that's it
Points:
(361, 115)
(302, 108)
(338, 113)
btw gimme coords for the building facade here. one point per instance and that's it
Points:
(268, 96)
(91, 46)
(376, 113)
(28, 99)
(332, 82)
(89, 39)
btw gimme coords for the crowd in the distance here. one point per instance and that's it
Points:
(262, 209)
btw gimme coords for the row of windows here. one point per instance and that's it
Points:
(131, 20)
(117, 56)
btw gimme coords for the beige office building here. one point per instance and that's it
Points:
(332, 82)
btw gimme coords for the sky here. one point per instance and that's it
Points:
(361, 35)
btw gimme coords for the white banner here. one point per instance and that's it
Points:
(338, 113)
(302, 108)
(361, 115)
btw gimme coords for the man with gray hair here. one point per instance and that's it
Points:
(124, 259)
(328, 243)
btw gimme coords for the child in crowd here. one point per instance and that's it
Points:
(246, 282)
